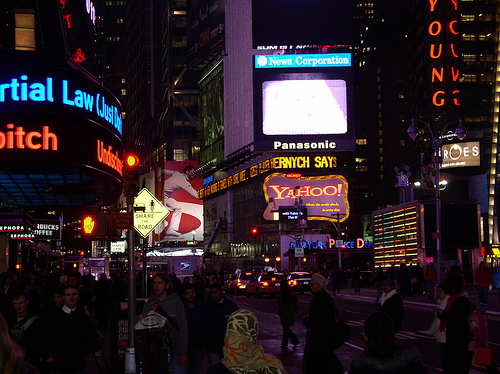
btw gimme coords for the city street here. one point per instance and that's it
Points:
(354, 308)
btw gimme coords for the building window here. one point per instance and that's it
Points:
(468, 37)
(469, 58)
(359, 160)
(25, 29)
(124, 92)
(469, 77)
(361, 141)
(468, 17)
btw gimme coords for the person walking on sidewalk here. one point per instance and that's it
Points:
(483, 282)
(455, 321)
(433, 329)
(287, 307)
(430, 277)
(319, 356)
(392, 303)
(496, 281)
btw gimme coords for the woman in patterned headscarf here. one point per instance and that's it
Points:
(242, 354)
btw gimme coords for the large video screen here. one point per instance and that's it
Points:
(304, 107)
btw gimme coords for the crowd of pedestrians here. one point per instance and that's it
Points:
(45, 325)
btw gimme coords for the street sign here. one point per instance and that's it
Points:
(299, 252)
(152, 213)
(120, 221)
(339, 243)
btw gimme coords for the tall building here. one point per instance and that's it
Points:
(453, 53)
(62, 130)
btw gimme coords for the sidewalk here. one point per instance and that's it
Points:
(493, 307)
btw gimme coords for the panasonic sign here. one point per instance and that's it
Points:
(325, 60)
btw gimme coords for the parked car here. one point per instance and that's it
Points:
(265, 284)
(239, 283)
(299, 281)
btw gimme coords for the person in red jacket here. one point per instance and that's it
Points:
(430, 277)
(483, 280)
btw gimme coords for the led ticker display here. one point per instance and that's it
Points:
(275, 163)
(326, 60)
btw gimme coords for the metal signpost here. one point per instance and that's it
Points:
(149, 212)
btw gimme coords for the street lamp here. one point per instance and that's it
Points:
(437, 144)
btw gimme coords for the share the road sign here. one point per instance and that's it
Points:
(151, 212)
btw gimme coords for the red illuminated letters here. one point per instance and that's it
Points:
(19, 139)
(445, 85)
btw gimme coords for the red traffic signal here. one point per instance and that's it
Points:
(254, 230)
(131, 161)
(94, 224)
(131, 175)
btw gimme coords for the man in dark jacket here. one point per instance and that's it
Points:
(217, 312)
(26, 329)
(318, 354)
(71, 336)
(194, 314)
(391, 303)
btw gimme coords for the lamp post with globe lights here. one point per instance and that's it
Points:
(437, 144)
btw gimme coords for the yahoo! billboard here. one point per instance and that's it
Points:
(325, 197)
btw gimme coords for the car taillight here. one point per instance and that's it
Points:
(238, 282)
(265, 284)
(294, 283)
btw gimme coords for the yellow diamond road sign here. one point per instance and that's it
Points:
(151, 212)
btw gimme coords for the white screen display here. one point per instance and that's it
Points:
(304, 107)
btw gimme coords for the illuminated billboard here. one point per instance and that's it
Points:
(325, 197)
(303, 102)
(304, 107)
(461, 155)
(56, 121)
(177, 188)
(205, 29)
(282, 24)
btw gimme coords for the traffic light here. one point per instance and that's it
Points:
(254, 230)
(131, 176)
(94, 224)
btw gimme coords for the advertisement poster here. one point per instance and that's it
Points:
(176, 186)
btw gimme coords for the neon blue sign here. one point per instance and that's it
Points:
(326, 60)
(83, 94)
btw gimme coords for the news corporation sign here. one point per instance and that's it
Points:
(326, 60)
(325, 197)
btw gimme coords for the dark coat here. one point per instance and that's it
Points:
(215, 323)
(194, 316)
(393, 306)
(71, 338)
(286, 309)
(401, 362)
(319, 356)
(29, 334)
